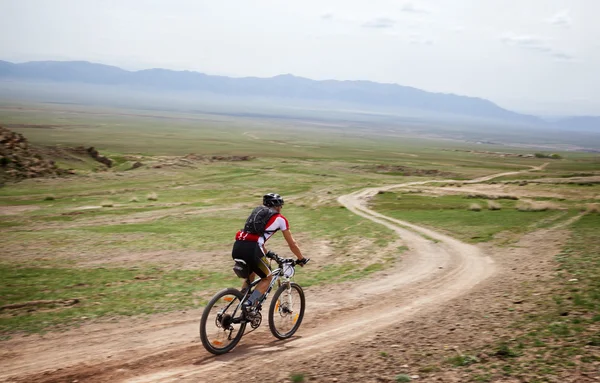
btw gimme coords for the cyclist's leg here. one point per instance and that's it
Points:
(262, 269)
(259, 265)
(251, 278)
(244, 250)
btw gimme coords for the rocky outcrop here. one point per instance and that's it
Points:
(197, 157)
(18, 160)
(98, 157)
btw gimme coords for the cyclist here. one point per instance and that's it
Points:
(249, 246)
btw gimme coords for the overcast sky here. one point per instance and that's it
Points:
(537, 56)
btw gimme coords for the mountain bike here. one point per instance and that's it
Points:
(224, 320)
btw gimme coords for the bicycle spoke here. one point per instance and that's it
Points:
(286, 311)
(219, 331)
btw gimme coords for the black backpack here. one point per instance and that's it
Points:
(258, 219)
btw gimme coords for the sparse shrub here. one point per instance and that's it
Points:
(297, 378)
(107, 203)
(429, 369)
(595, 341)
(477, 195)
(475, 207)
(134, 199)
(384, 354)
(553, 156)
(511, 197)
(152, 196)
(593, 208)
(403, 378)
(463, 360)
(49, 198)
(493, 205)
(504, 351)
(525, 206)
(536, 206)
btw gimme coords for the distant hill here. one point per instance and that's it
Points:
(582, 124)
(390, 96)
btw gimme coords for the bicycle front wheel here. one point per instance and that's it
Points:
(286, 310)
(220, 326)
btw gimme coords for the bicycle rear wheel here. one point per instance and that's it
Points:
(286, 310)
(218, 332)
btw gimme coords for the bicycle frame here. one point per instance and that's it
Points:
(277, 275)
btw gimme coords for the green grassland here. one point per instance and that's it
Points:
(453, 215)
(97, 237)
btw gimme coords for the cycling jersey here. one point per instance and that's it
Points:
(277, 222)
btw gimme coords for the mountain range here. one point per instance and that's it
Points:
(282, 87)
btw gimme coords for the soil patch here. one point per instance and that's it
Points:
(17, 210)
(407, 171)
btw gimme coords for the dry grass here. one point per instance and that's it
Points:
(107, 203)
(475, 207)
(134, 199)
(480, 196)
(592, 208)
(492, 205)
(536, 206)
(152, 197)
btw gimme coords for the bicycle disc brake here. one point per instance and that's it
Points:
(225, 321)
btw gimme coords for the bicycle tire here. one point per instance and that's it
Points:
(277, 308)
(209, 345)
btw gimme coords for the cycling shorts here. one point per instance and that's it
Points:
(252, 254)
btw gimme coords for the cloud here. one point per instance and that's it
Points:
(327, 16)
(562, 56)
(533, 43)
(561, 19)
(458, 29)
(410, 8)
(528, 42)
(415, 38)
(380, 22)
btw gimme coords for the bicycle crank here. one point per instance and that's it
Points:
(256, 320)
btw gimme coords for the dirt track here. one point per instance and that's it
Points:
(166, 348)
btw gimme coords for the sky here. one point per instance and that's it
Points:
(534, 56)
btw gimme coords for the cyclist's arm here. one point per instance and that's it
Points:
(292, 243)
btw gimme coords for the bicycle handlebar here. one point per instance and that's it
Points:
(272, 255)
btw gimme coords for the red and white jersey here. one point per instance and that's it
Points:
(276, 222)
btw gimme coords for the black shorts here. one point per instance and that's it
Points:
(252, 254)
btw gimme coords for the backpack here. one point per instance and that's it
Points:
(258, 219)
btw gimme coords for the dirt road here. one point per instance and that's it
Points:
(435, 270)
